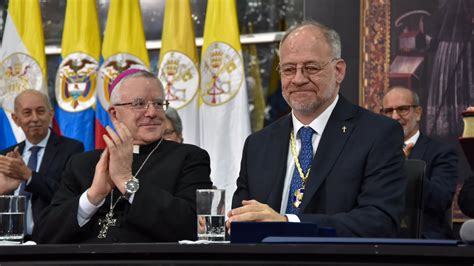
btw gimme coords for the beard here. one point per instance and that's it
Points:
(308, 106)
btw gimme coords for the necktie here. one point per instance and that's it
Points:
(305, 158)
(32, 164)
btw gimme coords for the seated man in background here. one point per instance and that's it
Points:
(33, 167)
(355, 181)
(441, 160)
(174, 127)
(141, 188)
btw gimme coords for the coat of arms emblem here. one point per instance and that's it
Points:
(75, 82)
(222, 73)
(180, 78)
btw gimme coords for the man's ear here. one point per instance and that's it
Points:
(112, 113)
(340, 70)
(418, 112)
(15, 119)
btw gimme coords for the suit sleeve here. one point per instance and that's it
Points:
(440, 185)
(58, 222)
(466, 197)
(242, 192)
(45, 186)
(380, 201)
(172, 216)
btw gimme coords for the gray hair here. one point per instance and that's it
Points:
(173, 116)
(332, 37)
(414, 96)
(116, 97)
(31, 91)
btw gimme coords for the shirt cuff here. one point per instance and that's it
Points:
(293, 218)
(86, 209)
(29, 179)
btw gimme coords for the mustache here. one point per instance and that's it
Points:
(151, 122)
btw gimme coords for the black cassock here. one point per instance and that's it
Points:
(163, 209)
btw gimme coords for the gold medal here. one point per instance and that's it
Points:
(298, 197)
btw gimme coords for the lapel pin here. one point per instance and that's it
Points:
(344, 128)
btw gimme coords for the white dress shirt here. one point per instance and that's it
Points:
(86, 209)
(413, 138)
(26, 157)
(318, 125)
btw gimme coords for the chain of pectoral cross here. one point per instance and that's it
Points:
(108, 220)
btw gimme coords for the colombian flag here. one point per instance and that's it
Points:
(23, 63)
(76, 77)
(178, 66)
(124, 47)
(224, 113)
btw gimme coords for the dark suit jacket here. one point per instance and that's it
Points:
(163, 209)
(466, 197)
(356, 184)
(44, 183)
(439, 185)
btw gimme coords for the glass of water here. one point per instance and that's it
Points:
(12, 218)
(210, 207)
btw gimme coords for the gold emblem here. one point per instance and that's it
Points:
(75, 82)
(110, 69)
(298, 198)
(180, 78)
(222, 73)
(19, 72)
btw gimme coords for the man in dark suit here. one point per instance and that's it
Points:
(33, 113)
(354, 183)
(441, 160)
(141, 188)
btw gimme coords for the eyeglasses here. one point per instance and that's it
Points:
(142, 105)
(308, 69)
(401, 110)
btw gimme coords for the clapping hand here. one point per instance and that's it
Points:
(120, 146)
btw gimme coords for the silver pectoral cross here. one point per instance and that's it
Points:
(106, 222)
(344, 128)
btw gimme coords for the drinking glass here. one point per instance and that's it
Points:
(210, 208)
(12, 218)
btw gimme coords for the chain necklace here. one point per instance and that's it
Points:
(303, 176)
(109, 219)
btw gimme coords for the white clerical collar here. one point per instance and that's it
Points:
(319, 123)
(413, 138)
(42, 143)
(136, 149)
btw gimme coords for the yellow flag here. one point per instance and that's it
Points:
(178, 66)
(124, 31)
(81, 29)
(124, 47)
(77, 73)
(23, 63)
(224, 112)
(255, 85)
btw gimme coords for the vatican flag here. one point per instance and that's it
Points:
(124, 47)
(76, 77)
(178, 66)
(23, 63)
(224, 112)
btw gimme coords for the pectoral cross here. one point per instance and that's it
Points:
(106, 222)
(344, 128)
